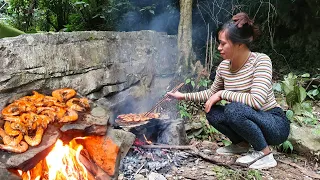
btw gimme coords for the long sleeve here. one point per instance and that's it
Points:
(202, 96)
(261, 86)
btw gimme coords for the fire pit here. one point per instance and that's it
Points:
(86, 148)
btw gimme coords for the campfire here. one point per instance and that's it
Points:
(63, 162)
(74, 142)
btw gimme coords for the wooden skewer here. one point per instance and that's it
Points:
(163, 99)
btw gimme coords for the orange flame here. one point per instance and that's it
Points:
(61, 163)
(147, 141)
(64, 161)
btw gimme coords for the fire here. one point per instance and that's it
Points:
(64, 161)
(61, 163)
(147, 141)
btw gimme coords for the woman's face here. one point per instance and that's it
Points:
(225, 46)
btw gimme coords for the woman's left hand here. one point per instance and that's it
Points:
(212, 100)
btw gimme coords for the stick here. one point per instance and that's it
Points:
(163, 99)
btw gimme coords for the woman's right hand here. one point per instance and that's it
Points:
(177, 95)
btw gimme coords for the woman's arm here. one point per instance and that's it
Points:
(202, 96)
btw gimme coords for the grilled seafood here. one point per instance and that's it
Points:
(12, 118)
(11, 110)
(78, 104)
(71, 115)
(35, 140)
(137, 117)
(10, 140)
(64, 94)
(28, 117)
(20, 148)
(9, 130)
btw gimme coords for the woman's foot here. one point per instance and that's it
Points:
(232, 149)
(259, 159)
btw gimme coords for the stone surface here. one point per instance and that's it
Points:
(97, 116)
(96, 64)
(174, 133)
(104, 152)
(156, 176)
(5, 174)
(122, 138)
(304, 140)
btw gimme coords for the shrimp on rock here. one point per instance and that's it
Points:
(71, 115)
(78, 104)
(20, 148)
(9, 130)
(10, 140)
(64, 94)
(11, 110)
(35, 140)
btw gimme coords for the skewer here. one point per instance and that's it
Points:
(163, 99)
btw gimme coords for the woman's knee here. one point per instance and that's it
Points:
(216, 115)
(235, 110)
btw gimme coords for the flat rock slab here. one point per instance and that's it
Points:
(97, 116)
(27, 160)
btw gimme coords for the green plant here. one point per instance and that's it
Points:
(254, 174)
(300, 110)
(314, 93)
(206, 132)
(198, 83)
(183, 110)
(286, 146)
(190, 81)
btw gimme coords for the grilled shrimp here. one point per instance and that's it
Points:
(35, 140)
(20, 148)
(64, 94)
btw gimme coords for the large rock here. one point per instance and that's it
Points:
(305, 140)
(96, 64)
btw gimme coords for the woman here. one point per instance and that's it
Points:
(244, 79)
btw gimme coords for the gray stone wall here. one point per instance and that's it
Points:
(96, 64)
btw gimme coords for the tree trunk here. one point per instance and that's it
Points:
(185, 36)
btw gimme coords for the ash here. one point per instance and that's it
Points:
(144, 161)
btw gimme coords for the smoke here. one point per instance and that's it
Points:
(160, 16)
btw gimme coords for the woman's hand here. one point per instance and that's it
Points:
(212, 100)
(177, 95)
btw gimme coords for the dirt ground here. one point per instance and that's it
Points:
(206, 170)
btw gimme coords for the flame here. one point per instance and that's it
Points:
(61, 163)
(147, 141)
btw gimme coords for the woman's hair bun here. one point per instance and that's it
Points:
(241, 19)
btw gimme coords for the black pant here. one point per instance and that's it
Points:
(240, 122)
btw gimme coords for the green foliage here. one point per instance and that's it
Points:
(183, 110)
(314, 92)
(7, 31)
(197, 84)
(224, 173)
(254, 174)
(300, 110)
(66, 15)
(286, 146)
(290, 32)
(206, 132)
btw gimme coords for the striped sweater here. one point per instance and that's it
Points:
(251, 85)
